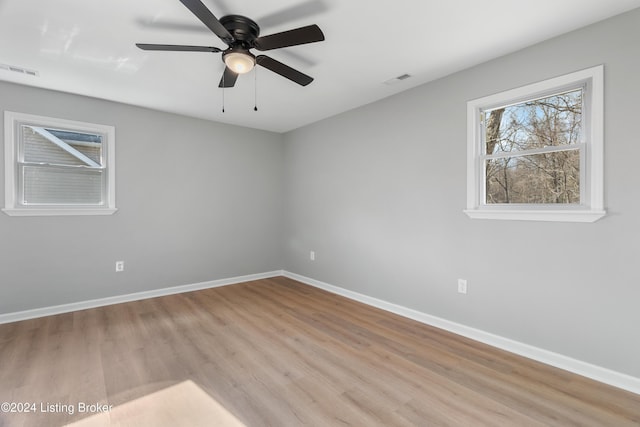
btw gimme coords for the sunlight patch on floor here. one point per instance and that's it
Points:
(182, 404)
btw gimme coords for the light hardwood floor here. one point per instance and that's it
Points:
(276, 352)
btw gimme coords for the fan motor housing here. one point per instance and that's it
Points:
(241, 28)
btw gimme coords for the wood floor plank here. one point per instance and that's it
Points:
(275, 352)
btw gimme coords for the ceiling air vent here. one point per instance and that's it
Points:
(397, 79)
(19, 70)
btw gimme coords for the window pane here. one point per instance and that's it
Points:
(38, 149)
(545, 122)
(534, 179)
(51, 185)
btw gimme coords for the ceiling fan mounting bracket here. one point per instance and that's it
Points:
(242, 29)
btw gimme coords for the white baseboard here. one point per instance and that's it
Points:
(83, 305)
(604, 375)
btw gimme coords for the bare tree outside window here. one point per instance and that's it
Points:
(533, 151)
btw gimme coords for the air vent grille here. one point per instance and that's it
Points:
(397, 79)
(19, 70)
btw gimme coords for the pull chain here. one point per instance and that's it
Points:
(255, 89)
(223, 85)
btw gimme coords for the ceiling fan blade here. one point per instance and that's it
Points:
(228, 78)
(302, 35)
(203, 14)
(177, 48)
(284, 70)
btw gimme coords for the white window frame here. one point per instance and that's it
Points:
(12, 120)
(591, 207)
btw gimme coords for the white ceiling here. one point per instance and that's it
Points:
(87, 47)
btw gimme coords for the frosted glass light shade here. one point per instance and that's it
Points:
(239, 63)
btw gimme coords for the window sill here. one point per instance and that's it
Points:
(58, 211)
(533, 215)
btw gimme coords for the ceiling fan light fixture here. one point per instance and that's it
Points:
(239, 62)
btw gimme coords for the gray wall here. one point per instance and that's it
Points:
(378, 193)
(197, 201)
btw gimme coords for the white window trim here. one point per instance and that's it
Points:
(594, 208)
(12, 207)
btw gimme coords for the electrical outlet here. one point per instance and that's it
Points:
(119, 266)
(312, 255)
(462, 286)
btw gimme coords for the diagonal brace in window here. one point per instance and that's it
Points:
(66, 147)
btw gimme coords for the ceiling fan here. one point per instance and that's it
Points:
(242, 34)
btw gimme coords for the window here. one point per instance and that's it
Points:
(58, 167)
(536, 152)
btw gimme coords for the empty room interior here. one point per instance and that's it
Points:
(313, 212)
